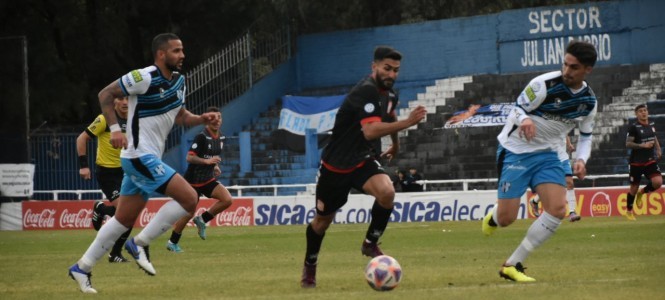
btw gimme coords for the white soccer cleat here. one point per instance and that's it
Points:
(141, 256)
(82, 278)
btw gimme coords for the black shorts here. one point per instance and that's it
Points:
(636, 172)
(333, 188)
(109, 180)
(206, 189)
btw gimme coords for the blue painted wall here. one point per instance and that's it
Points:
(625, 32)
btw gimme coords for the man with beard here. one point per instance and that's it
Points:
(351, 158)
(535, 130)
(156, 100)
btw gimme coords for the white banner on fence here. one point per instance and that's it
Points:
(16, 180)
(480, 116)
(409, 207)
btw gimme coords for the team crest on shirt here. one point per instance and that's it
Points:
(557, 102)
(369, 108)
(161, 92)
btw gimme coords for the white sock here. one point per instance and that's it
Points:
(494, 217)
(162, 222)
(103, 243)
(572, 203)
(541, 230)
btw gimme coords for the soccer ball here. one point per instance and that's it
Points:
(383, 273)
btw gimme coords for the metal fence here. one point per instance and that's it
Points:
(215, 82)
(232, 71)
(56, 166)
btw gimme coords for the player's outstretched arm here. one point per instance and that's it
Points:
(186, 118)
(375, 130)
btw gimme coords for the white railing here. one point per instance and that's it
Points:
(79, 193)
(465, 182)
(310, 187)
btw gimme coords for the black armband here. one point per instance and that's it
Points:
(83, 161)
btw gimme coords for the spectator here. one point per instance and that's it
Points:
(411, 179)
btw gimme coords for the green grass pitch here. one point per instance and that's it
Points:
(597, 258)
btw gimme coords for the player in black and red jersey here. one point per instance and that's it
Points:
(203, 158)
(351, 158)
(644, 158)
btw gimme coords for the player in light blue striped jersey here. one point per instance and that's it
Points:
(546, 111)
(156, 102)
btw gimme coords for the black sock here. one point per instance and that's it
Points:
(175, 237)
(648, 188)
(380, 217)
(117, 247)
(109, 210)
(206, 216)
(630, 201)
(314, 242)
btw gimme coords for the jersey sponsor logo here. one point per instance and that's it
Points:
(136, 75)
(530, 93)
(558, 118)
(369, 108)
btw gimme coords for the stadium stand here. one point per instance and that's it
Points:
(469, 152)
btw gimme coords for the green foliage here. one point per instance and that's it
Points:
(443, 260)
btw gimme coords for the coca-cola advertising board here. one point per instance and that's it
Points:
(57, 215)
(78, 214)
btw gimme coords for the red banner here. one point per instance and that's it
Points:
(78, 214)
(602, 202)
